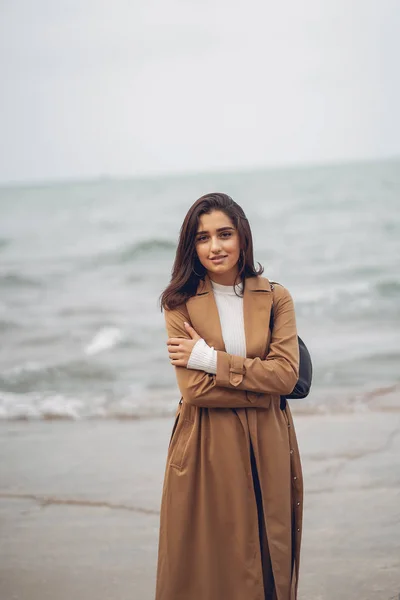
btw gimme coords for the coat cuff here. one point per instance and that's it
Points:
(230, 369)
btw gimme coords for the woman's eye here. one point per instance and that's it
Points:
(224, 234)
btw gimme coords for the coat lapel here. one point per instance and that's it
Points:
(204, 315)
(257, 302)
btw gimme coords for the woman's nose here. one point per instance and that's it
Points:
(215, 244)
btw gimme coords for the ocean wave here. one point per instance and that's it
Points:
(16, 280)
(389, 288)
(8, 326)
(21, 379)
(353, 301)
(28, 367)
(133, 251)
(35, 406)
(58, 406)
(4, 242)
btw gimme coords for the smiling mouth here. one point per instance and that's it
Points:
(217, 258)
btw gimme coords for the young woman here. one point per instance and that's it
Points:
(231, 513)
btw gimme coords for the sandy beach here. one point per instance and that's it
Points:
(79, 507)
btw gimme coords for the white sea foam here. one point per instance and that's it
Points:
(61, 406)
(18, 406)
(34, 406)
(105, 338)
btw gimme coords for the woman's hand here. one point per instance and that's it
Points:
(180, 348)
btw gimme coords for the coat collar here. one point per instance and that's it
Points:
(257, 302)
(254, 284)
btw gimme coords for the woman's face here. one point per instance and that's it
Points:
(217, 237)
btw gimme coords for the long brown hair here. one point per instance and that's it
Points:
(187, 270)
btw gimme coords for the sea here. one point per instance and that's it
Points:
(83, 264)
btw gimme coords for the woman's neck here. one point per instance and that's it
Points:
(229, 290)
(230, 278)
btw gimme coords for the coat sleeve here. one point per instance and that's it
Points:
(279, 372)
(199, 388)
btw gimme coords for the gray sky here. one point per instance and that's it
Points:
(126, 87)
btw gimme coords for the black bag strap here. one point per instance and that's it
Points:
(303, 384)
(271, 318)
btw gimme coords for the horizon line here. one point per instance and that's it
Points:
(190, 173)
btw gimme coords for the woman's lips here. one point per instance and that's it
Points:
(218, 259)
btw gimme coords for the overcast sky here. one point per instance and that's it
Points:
(128, 87)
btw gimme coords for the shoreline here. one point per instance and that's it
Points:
(319, 402)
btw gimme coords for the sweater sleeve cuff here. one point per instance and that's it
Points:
(203, 357)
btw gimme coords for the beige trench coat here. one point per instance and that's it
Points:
(209, 545)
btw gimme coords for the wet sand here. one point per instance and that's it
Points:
(79, 507)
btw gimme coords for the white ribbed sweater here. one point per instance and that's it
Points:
(230, 309)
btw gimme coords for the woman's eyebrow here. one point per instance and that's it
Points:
(219, 229)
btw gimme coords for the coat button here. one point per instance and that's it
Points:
(298, 529)
(298, 503)
(291, 451)
(295, 477)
